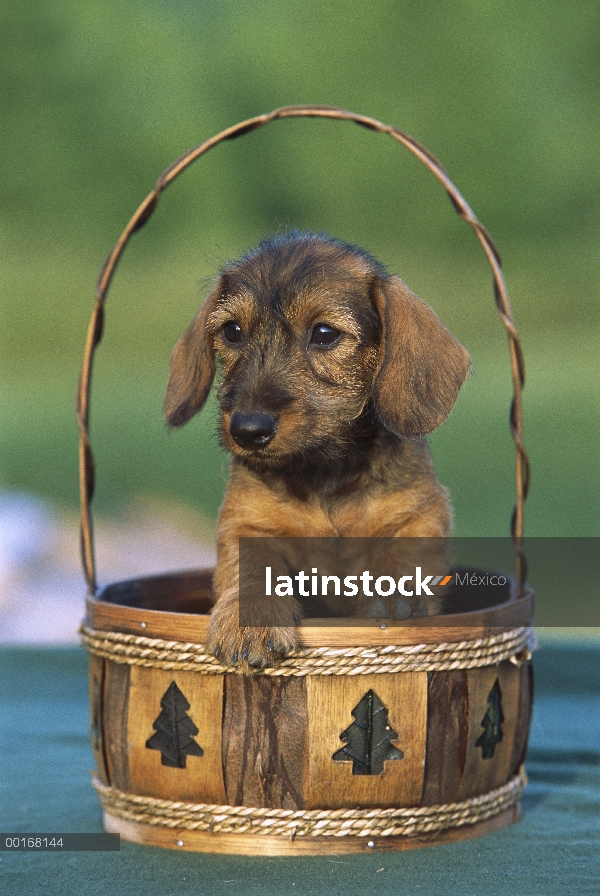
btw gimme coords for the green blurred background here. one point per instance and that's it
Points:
(99, 96)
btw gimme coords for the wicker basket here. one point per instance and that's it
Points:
(191, 755)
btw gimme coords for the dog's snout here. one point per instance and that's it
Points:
(252, 430)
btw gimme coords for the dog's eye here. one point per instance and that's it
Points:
(323, 334)
(232, 331)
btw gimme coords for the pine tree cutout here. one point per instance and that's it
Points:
(174, 730)
(491, 723)
(367, 740)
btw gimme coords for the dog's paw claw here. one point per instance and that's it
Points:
(248, 648)
(262, 649)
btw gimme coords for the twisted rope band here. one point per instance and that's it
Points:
(515, 644)
(313, 822)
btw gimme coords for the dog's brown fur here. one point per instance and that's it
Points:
(348, 457)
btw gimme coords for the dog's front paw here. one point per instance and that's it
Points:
(251, 647)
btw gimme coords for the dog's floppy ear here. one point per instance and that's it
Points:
(191, 367)
(422, 365)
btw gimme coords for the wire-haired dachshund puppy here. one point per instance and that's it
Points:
(332, 374)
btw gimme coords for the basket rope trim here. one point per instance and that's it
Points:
(515, 644)
(312, 822)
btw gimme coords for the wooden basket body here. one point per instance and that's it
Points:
(267, 742)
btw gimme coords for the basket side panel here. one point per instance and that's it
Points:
(115, 709)
(447, 735)
(96, 675)
(188, 727)
(523, 717)
(487, 766)
(265, 741)
(335, 706)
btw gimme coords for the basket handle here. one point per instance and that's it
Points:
(94, 334)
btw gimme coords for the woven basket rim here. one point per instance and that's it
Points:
(188, 626)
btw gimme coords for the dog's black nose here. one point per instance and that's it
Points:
(252, 430)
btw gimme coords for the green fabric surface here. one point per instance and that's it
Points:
(45, 779)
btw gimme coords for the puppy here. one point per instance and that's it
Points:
(332, 374)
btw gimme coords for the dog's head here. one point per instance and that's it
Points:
(310, 333)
